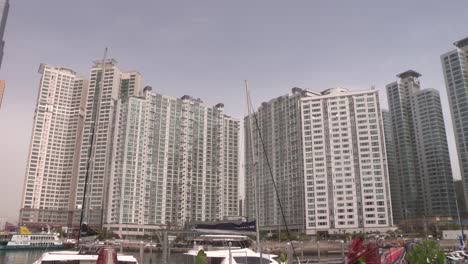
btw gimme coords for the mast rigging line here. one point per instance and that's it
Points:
(271, 175)
(91, 152)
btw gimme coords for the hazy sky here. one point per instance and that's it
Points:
(207, 48)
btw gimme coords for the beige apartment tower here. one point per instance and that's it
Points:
(52, 152)
(107, 85)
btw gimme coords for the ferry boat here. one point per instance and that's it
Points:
(30, 241)
(26, 240)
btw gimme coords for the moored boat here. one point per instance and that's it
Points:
(85, 257)
(30, 241)
(219, 241)
(227, 248)
(235, 256)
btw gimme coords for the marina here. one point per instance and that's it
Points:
(127, 137)
(324, 251)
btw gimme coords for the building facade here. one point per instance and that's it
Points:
(455, 68)
(345, 171)
(326, 152)
(278, 122)
(120, 157)
(423, 176)
(107, 84)
(391, 164)
(460, 201)
(52, 151)
(175, 161)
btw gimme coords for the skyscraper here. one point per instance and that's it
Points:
(280, 126)
(175, 161)
(4, 7)
(107, 84)
(52, 155)
(455, 67)
(142, 159)
(423, 177)
(326, 151)
(345, 170)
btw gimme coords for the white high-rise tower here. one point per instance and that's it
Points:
(455, 67)
(107, 84)
(52, 156)
(175, 161)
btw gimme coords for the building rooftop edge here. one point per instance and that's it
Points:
(461, 43)
(111, 61)
(150, 92)
(409, 73)
(42, 66)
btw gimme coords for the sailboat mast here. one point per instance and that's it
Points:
(254, 166)
(94, 125)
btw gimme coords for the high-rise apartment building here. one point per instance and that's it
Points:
(280, 127)
(4, 7)
(175, 161)
(423, 178)
(455, 67)
(345, 170)
(126, 158)
(326, 151)
(106, 86)
(52, 152)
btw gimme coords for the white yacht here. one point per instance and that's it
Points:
(227, 249)
(79, 257)
(235, 256)
(217, 241)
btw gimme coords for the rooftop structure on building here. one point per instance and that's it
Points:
(409, 73)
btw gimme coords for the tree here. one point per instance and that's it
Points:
(283, 257)
(201, 257)
(426, 251)
(303, 237)
(103, 234)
